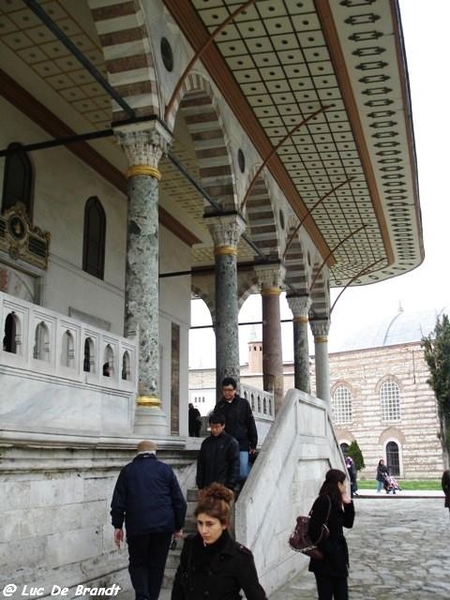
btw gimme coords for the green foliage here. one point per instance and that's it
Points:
(437, 356)
(354, 451)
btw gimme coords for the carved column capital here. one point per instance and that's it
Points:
(270, 278)
(300, 306)
(225, 231)
(143, 146)
(320, 329)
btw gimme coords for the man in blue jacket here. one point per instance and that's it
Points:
(148, 498)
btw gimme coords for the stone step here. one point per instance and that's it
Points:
(173, 559)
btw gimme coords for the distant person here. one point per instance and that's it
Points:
(218, 459)
(333, 502)
(195, 421)
(352, 475)
(446, 487)
(148, 498)
(239, 422)
(382, 474)
(212, 565)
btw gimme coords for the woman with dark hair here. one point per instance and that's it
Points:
(335, 508)
(212, 564)
(382, 474)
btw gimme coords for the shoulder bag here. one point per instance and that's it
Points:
(300, 540)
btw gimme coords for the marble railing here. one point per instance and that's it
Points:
(45, 342)
(262, 403)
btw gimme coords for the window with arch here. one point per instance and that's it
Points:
(11, 332)
(126, 366)
(41, 350)
(68, 350)
(393, 458)
(342, 405)
(88, 360)
(390, 401)
(108, 362)
(18, 180)
(94, 238)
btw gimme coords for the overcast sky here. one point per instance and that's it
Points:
(425, 29)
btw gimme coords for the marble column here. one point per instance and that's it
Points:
(225, 231)
(271, 281)
(320, 328)
(143, 147)
(300, 306)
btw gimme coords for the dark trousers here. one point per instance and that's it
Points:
(330, 588)
(148, 555)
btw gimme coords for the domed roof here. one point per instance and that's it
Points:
(402, 328)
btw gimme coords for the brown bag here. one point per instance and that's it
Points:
(300, 540)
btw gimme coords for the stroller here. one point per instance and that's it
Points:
(391, 485)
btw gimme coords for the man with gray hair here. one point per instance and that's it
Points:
(148, 498)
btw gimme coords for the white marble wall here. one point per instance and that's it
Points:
(54, 512)
(283, 483)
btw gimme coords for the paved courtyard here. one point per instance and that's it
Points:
(399, 549)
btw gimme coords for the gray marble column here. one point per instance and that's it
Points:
(300, 306)
(320, 328)
(225, 231)
(271, 281)
(144, 148)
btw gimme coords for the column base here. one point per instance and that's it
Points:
(149, 419)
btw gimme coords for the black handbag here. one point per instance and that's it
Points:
(300, 540)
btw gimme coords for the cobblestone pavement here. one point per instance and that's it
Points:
(399, 549)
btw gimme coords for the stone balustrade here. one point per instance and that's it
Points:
(58, 372)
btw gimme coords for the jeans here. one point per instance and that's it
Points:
(244, 465)
(380, 485)
(148, 555)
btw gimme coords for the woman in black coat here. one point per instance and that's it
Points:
(382, 474)
(212, 564)
(335, 508)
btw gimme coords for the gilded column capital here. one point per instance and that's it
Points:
(270, 278)
(143, 145)
(300, 306)
(225, 231)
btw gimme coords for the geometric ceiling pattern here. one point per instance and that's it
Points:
(327, 83)
(358, 179)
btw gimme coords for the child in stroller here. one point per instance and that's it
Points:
(390, 484)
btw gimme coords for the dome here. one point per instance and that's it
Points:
(402, 328)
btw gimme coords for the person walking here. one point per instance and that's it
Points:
(352, 475)
(382, 473)
(335, 508)
(212, 564)
(446, 487)
(239, 422)
(218, 459)
(195, 421)
(148, 498)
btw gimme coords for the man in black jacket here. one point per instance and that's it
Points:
(239, 422)
(218, 459)
(148, 498)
